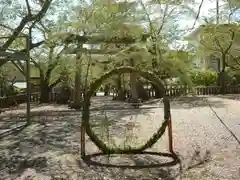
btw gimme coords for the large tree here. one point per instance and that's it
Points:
(161, 21)
(103, 19)
(38, 23)
(12, 10)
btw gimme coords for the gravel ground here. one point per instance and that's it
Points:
(51, 145)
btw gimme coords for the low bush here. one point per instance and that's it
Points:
(204, 78)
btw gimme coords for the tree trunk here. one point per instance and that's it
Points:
(77, 93)
(106, 90)
(133, 81)
(77, 90)
(46, 88)
(158, 94)
(154, 65)
(133, 85)
(142, 93)
(218, 70)
(222, 74)
(65, 95)
(45, 92)
(120, 93)
(221, 82)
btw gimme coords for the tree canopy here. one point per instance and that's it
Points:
(100, 34)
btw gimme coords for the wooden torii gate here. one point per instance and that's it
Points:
(79, 40)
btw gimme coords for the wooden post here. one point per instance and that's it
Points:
(83, 128)
(83, 154)
(28, 76)
(78, 82)
(170, 134)
(167, 116)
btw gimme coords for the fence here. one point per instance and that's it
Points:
(9, 101)
(6, 102)
(205, 90)
(14, 100)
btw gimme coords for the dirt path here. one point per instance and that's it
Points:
(51, 146)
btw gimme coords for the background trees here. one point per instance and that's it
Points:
(50, 24)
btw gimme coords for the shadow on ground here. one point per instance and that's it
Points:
(105, 103)
(183, 102)
(51, 142)
(140, 161)
(53, 149)
(51, 146)
(230, 96)
(196, 101)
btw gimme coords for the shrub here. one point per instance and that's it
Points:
(204, 78)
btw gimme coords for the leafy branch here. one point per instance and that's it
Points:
(25, 20)
(225, 51)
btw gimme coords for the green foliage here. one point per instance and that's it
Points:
(17, 90)
(125, 19)
(204, 78)
(219, 37)
(65, 76)
(103, 17)
(5, 86)
(106, 18)
(219, 40)
(3, 81)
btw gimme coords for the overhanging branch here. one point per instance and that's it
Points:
(231, 42)
(19, 68)
(233, 67)
(93, 51)
(17, 31)
(198, 14)
(37, 65)
(32, 46)
(25, 20)
(55, 83)
(225, 51)
(68, 38)
(28, 7)
(219, 45)
(53, 64)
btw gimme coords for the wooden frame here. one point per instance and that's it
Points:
(167, 117)
(85, 126)
(14, 56)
